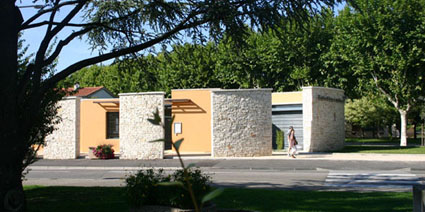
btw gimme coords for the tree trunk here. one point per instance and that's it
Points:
(423, 136)
(12, 141)
(414, 131)
(403, 127)
(12, 193)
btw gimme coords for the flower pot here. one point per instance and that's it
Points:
(90, 154)
(104, 157)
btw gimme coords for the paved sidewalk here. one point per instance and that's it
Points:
(357, 157)
(171, 162)
(323, 156)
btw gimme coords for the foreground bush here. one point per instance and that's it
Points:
(150, 187)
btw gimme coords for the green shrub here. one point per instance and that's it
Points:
(280, 139)
(144, 188)
(200, 186)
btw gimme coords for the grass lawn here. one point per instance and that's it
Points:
(112, 199)
(383, 149)
(394, 141)
(278, 200)
(67, 199)
(382, 145)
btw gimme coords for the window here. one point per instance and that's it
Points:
(112, 124)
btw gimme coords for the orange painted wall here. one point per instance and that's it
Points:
(287, 97)
(195, 117)
(93, 123)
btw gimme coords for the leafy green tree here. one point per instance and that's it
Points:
(303, 47)
(381, 44)
(255, 64)
(188, 66)
(115, 28)
(185, 66)
(415, 116)
(285, 59)
(370, 112)
(121, 77)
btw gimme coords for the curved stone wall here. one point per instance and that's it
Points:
(135, 130)
(241, 123)
(64, 142)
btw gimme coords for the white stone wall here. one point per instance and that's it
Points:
(241, 123)
(135, 129)
(64, 142)
(323, 119)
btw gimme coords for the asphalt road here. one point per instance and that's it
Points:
(271, 174)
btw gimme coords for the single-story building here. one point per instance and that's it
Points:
(317, 115)
(223, 122)
(219, 122)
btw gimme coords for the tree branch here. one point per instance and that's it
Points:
(63, 43)
(53, 23)
(89, 26)
(81, 25)
(49, 36)
(90, 61)
(41, 53)
(24, 81)
(42, 12)
(104, 25)
(395, 102)
(52, 18)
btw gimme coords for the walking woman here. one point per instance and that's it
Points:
(292, 142)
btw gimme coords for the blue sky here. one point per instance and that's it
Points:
(77, 50)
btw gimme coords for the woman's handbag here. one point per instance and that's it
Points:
(296, 142)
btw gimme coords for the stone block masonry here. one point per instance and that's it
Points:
(64, 142)
(241, 123)
(136, 131)
(323, 119)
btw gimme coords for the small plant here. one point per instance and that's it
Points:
(279, 139)
(104, 151)
(184, 178)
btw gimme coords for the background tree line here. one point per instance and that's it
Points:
(284, 59)
(375, 52)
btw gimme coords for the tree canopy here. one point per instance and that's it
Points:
(382, 43)
(284, 59)
(370, 112)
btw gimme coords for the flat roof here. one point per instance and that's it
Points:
(100, 102)
(170, 101)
